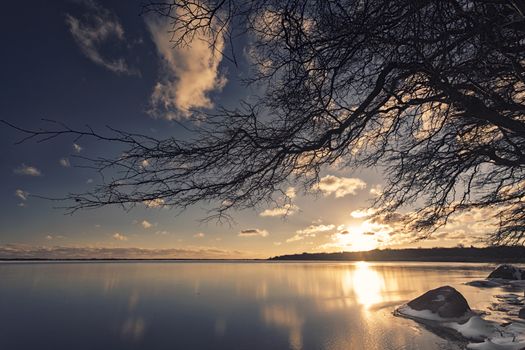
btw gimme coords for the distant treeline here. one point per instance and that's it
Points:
(472, 254)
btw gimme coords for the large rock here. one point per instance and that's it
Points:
(443, 301)
(521, 313)
(508, 272)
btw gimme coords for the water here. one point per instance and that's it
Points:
(222, 305)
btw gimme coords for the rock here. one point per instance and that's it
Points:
(508, 272)
(445, 301)
(521, 313)
(484, 284)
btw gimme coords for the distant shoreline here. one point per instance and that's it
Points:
(462, 255)
(275, 260)
(499, 254)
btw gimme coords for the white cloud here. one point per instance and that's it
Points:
(316, 229)
(287, 209)
(96, 28)
(119, 237)
(199, 235)
(21, 194)
(49, 237)
(77, 148)
(362, 213)
(310, 231)
(376, 190)
(64, 162)
(253, 232)
(154, 203)
(146, 224)
(190, 72)
(27, 170)
(340, 186)
(291, 193)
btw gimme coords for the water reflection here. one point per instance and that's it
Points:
(286, 317)
(367, 284)
(133, 328)
(221, 305)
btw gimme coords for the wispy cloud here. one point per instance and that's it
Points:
(21, 194)
(119, 237)
(146, 224)
(154, 203)
(291, 192)
(77, 148)
(362, 213)
(99, 27)
(309, 232)
(253, 233)
(199, 235)
(287, 209)
(376, 190)
(340, 186)
(64, 162)
(189, 72)
(27, 170)
(21, 251)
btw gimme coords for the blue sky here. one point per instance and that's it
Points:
(85, 62)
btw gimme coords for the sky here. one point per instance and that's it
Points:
(103, 64)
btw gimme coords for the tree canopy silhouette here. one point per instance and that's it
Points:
(430, 91)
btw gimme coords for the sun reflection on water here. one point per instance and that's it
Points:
(367, 284)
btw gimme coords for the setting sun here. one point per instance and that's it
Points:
(362, 237)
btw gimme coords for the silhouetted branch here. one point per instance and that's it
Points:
(433, 91)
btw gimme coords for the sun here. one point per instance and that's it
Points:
(361, 237)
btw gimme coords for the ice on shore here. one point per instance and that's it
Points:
(481, 333)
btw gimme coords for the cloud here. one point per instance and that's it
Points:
(199, 235)
(376, 190)
(362, 213)
(340, 186)
(189, 72)
(77, 148)
(154, 203)
(253, 233)
(49, 237)
(146, 224)
(291, 193)
(287, 209)
(21, 194)
(119, 237)
(316, 229)
(310, 231)
(27, 170)
(22, 251)
(64, 162)
(99, 27)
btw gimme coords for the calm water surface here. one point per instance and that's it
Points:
(222, 305)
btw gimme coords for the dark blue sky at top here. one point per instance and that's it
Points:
(44, 74)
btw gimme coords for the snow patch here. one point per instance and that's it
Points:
(427, 315)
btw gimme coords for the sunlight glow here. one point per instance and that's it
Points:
(366, 236)
(367, 285)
